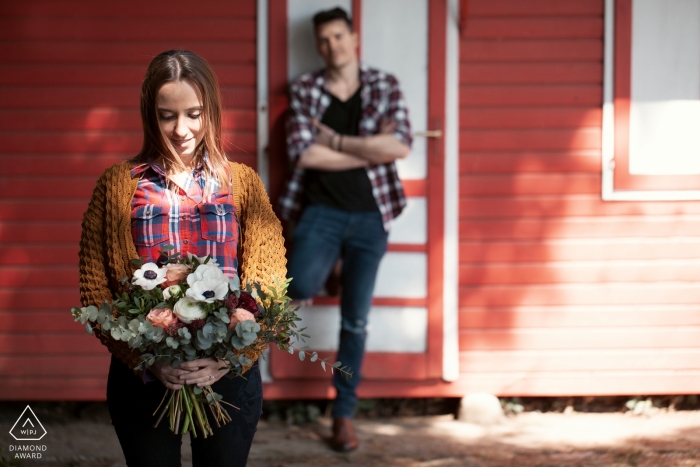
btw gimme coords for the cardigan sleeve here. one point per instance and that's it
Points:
(94, 289)
(262, 252)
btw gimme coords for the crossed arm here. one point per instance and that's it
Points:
(331, 153)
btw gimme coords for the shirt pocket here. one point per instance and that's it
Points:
(150, 225)
(218, 222)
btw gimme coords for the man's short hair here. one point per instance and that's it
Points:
(326, 16)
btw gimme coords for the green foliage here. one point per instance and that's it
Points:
(276, 323)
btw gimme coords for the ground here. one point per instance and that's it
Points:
(81, 436)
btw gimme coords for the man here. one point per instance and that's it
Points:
(347, 125)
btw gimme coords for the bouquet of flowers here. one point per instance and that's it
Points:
(183, 309)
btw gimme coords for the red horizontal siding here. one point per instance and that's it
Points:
(530, 139)
(550, 272)
(80, 165)
(573, 249)
(561, 293)
(110, 53)
(498, 361)
(579, 316)
(527, 73)
(580, 338)
(126, 29)
(71, 74)
(554, 8)
(532, 50)
(532, 161)
(52, 97)
(531, 95)
(112, 75)
(564, 206)
(533, 28)
(57, 142)
(127, 9)
(582, 227)
(101, 119)
(479, 118)
(529, 184)
(56, 253)
(659, 293)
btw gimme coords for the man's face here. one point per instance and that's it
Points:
(336, 44)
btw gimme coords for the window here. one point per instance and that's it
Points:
(651, 126)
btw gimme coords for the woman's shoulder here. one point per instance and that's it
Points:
(243, 175)
(118, 172)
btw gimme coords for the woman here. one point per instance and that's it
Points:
(179, 190)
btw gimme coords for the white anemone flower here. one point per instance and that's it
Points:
(206, 271)
(201, 259)
(172, 291)
(187, 310)
(149, 276)
(208, 290)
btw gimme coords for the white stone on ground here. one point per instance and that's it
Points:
(481, 409)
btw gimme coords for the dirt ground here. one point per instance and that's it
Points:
(81, 436)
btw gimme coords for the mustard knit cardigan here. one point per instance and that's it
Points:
(107, 247)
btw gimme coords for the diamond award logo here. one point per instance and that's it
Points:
(28, 427)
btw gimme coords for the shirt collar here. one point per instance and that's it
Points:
(151, 164)
(367, 76)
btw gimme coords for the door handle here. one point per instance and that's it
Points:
(429, 134)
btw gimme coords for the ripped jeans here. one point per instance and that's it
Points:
(322, 235)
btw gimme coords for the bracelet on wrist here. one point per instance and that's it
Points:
(340, 143)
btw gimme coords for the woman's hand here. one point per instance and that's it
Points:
(169, 376)
(203, 372)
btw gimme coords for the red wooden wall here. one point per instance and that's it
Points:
(70, 75)
(560, 292)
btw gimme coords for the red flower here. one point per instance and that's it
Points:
(232, 302)
(196, 325)
(171, 329)
(248, 303)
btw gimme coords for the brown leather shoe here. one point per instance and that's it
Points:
(344, 438)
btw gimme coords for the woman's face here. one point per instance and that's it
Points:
(179, 110)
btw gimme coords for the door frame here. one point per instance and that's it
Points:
(434, 363)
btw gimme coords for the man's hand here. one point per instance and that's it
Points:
(387, 127)
(324, 134)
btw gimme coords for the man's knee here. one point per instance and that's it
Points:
(301, 290)
(357, 326)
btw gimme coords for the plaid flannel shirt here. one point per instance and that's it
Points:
(183, 218)
(381, 99)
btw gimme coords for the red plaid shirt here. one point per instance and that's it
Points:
(381, 99)
(182, 217)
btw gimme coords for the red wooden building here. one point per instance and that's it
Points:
(552, 242)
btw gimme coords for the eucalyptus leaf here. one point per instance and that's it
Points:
(245, 361)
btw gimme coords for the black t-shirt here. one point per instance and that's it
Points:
(348, 190)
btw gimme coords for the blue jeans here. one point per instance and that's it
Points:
(131, 403)
(323, 235)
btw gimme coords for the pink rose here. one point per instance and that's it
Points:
(161, 317)
(240, 315)
(174, 274)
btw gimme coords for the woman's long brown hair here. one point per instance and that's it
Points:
(178, 65)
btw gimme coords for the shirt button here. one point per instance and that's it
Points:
(185, 241)
(184, 217)
(148, 212)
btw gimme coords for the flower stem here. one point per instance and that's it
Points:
(188, 406)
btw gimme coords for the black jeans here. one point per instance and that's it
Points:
(132, 403)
